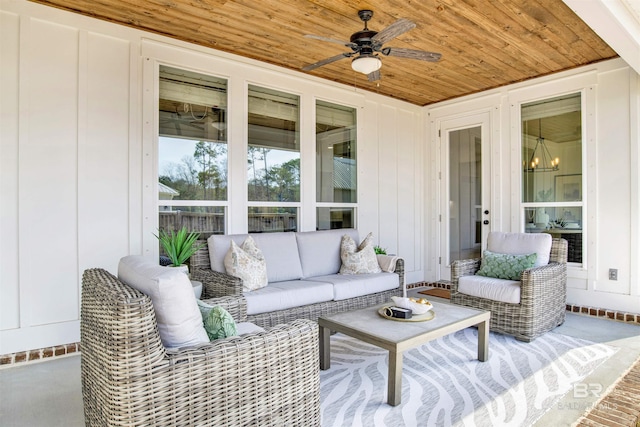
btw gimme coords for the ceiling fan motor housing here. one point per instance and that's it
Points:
(363, 37)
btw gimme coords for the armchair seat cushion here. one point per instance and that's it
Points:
(245, 328)
(502, 290)
(347, 286)
(286, 295)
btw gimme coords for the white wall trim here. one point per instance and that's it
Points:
(614, 23)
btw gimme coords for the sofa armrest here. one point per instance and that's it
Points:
(216, 284)
(235, 305)
(399, 270)
(388, 263)
(464, 267)
(545, 285)
(267, 378)
(393, 264)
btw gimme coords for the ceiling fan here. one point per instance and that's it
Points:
(366, 44)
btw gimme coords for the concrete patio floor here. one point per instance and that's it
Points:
(49, 393)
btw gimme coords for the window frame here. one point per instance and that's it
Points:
(358, 132)
(583, 91)
(224, 204)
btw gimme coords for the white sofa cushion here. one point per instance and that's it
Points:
(219, 245)
(289, 294)
(347, 286)
(521, 244)
(280, 252)
(171, 292)
(490, 288)
(320, 250)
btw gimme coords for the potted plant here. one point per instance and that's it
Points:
(179, 245)
(379, 250)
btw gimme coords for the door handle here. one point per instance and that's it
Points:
(486, 212)
(485, 222)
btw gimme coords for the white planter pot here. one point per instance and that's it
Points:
(184, 268)
(197, 288)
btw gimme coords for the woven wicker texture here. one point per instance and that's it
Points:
(130, 379)
(543, 296)
(215, 285)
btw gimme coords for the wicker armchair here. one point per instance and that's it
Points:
(129, 378)
(543, 293)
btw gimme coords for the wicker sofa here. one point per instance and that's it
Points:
(302, 269)
(129, 378)
(541, 305)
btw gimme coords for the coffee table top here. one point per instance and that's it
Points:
(367, 325)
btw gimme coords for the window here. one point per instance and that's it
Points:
(336, 168)
(273, 160)
(192, 151)
(552, 179)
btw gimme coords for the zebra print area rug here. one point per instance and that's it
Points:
(443, 383)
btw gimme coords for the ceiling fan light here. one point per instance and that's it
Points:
(366, 64)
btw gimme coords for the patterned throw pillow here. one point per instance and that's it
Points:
(247, 263)
(505, 266)
(359, 259)
(217, 321)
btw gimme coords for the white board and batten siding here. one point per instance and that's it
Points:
(77, 159)
(78, 154)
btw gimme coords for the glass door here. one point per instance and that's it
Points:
(465, 213)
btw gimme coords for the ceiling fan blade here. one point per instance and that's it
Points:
(411, 54)
(330, 40)
(375, 76)
(402, 25)
(327, 61)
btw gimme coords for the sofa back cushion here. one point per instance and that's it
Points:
(521, 244)
(320, 250)
(179, 319)
(280, 252)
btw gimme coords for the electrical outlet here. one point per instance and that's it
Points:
(613, 274)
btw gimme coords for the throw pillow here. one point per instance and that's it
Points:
(505, 266)
(217, 321)
(247, 263)
(359, 259)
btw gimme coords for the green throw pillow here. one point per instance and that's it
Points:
(505, 266)
(217, 321)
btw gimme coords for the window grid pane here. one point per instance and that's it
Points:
(192, 151)
(273, 157)
(552, 170)
(269, 219)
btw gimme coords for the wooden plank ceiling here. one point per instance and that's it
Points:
(484, 44)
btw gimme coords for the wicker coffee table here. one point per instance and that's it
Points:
(397, 336)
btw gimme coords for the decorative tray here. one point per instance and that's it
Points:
(429, 315)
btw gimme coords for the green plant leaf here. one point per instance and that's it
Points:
(179, 245)
(379, 250)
